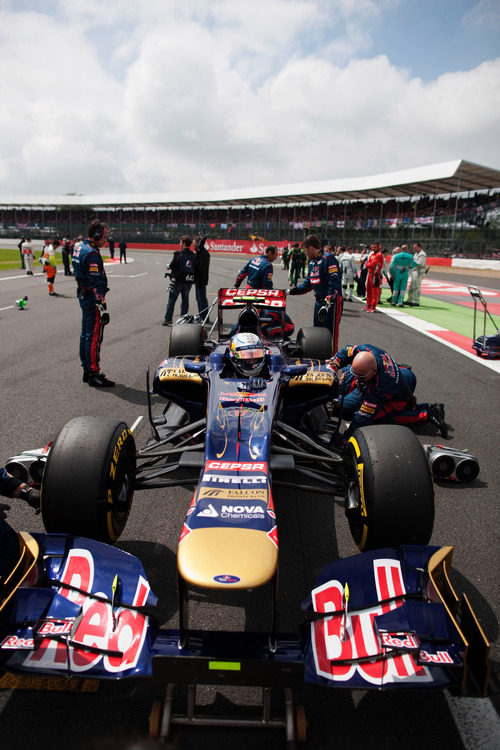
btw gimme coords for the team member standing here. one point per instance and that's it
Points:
(181, 270)
(375, 388)
(349, 273)
(296, 262)
(28, 256)
(66, 255)
(417, 275)
(201, 273)
(324, 277)
(92, 283)
(401, 264)
(259, 270)
(374, 266)
(49, 263)
(122, 245)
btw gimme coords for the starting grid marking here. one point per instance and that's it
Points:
(430, 286)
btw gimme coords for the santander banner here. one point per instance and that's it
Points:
(245, 247)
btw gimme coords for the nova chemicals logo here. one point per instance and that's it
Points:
(226, 579)
(209, 512)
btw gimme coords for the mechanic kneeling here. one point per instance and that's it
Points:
(374, 388)
(246, 358)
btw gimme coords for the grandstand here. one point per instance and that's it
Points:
(446, 205)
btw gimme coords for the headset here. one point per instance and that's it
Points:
(98, 232)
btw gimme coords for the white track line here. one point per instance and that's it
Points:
(423, 326)
(477, 722)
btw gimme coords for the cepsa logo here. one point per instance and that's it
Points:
(120, 632)
(236, 466)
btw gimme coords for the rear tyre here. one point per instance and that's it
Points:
(390, 494)
(88, 483)
(315, 343)
(186, 339)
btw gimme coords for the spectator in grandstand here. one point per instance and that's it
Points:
(402, 262)
(259, 270)
(181, 270)
(374, 266)
(111, 245)
(92, 289)
(123, 250)
(324, 277)
(27, 252)
(417, 275)
(20, 246)
(349, 272)
(201, 272)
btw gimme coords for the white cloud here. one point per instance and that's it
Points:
(484, 14)
(175, 96)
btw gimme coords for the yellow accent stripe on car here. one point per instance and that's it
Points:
(227, 666)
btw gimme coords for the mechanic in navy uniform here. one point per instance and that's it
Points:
(90, 276)
(324, 277)
(259, 270)
(181, 270)
(375, 388)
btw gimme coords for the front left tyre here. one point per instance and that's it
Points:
(88, 482)
(390, 493)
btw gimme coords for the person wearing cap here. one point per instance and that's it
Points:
(374, 388)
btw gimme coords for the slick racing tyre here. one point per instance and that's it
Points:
(390, 495)
(88, 483)
(186, 340)
(314, 343)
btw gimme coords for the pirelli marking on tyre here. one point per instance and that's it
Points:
(126, 433)
(360, 469)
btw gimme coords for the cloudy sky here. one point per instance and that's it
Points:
(147, 96)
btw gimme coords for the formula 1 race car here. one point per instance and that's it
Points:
(386, 617)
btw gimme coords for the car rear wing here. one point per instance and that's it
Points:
(256, 305)
(240, 298)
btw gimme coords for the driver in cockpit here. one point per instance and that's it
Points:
(246, 358)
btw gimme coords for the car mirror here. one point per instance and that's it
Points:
(295, 371)
(196, 367)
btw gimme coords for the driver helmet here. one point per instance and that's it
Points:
(246, 353)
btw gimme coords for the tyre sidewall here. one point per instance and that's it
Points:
(89, 462)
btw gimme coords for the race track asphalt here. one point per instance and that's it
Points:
(42, 390)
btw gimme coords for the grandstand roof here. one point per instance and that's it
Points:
(457, 176)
